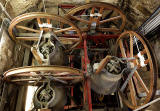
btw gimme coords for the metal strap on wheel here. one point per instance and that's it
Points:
(127, 80)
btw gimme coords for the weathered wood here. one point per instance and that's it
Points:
(4, 96)
(1, 86)
(44, 109)
(26, 57)
(11, 98)
(21, 99)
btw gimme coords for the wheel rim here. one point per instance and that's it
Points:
(54, 23)
(143, 81)
(37, 74)
(102, 8)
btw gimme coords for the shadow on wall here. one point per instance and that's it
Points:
(6, 52)
(11, 54)
(156, 48)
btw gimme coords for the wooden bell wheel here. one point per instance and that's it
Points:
(27, 28)
(32, 75)
(105, 17)
(141, 88)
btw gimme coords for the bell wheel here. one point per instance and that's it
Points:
(26, 29)
(103, 17)
(31, 75)
(142, 86)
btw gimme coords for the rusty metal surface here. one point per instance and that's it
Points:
(139, 82)
(75, 12)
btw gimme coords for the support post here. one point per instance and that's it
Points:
(87, 82)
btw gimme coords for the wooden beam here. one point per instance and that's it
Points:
(4, 97)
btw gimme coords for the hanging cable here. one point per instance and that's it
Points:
(44, 7)
(136, 43)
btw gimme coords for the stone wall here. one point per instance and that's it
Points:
(11, 55)
(137, 11)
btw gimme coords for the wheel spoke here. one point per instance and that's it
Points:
(69, 78)
(84, 29)
(49, 22)
(24, 80)
(39, 22)
(63, 30)
(79, 19)
(28, 38)
(131, 45)
(92, 12)
(141, 82)
(66, 74)
(122, 48)
(132, 93)
(108, 29)
(100, 11)
(110, 19)
(136, 84)
(62, 39)
(28, 29)
(27, 34)
(91, 17)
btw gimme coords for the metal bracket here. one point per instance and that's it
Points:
(51, 78)
(142, 59)
(127, 80)
(45, 25)
(96, 15)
